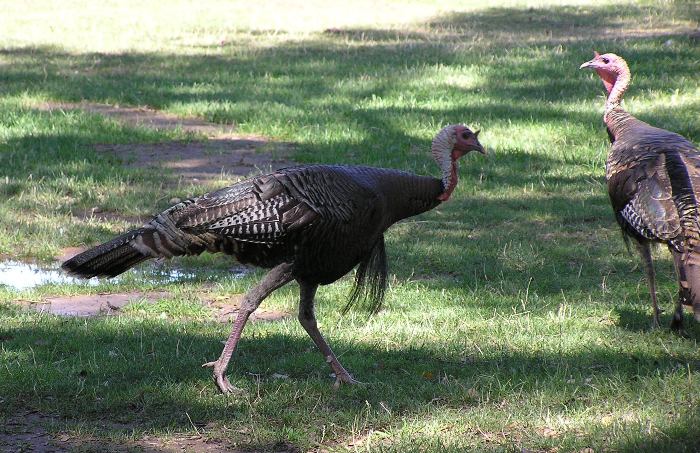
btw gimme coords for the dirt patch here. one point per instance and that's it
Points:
(67, 253)
(209, 161)
(30, 432)
(225, 156)
(93, 304)
(145, 117)
(227, 309)
(184, 443)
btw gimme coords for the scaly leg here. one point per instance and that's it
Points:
(277, 277)
(308, 321)
(645, 251)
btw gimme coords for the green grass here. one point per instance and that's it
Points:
(516, 319)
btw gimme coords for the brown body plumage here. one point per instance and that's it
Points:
(311, 223)
(654, 186)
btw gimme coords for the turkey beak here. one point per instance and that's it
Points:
(587, 64)
(591, 63)
(476, 146)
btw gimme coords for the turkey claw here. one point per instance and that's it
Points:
(222, 381)
(345, 379)
(655, 323)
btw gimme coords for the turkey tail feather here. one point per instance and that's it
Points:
(370, 280)
(109, 259)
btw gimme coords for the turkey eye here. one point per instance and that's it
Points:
(606, 61)
(465, 135)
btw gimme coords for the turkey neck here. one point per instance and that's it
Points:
(618, 121)
(615, 117)
(407, 194)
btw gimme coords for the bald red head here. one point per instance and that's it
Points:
(609, 67)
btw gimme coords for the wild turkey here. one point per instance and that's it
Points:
(310, 223)
(654, 185)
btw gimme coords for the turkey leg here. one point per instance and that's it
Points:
(276, 278)
(677, 322)
(645, 251)
(308, 321)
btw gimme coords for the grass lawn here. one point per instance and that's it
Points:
(516, 319)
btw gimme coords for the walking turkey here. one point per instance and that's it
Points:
(654, 185)
(310, 223)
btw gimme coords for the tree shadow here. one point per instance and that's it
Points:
(156, 384)
(639, 320)
(682, 436)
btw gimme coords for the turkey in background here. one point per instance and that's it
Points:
(654, 183)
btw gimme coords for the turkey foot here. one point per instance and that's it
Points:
(221, 380)
(278, 276)
(308, 322)
(655, 324)
(341, 374)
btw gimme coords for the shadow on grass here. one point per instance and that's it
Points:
(639, 320)
(682, 436)
(147, 374)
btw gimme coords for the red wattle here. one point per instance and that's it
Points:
(608, 79)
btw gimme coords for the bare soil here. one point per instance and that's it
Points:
(32, 432)
(145, 117)
(27, 432)
(223, 156)
(205, 161)
(93, 304)
(225, 308)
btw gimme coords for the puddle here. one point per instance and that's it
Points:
(166, 273)
(21, 276)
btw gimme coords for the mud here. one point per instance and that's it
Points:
(227, 309)
(28, 433)
(67, 253)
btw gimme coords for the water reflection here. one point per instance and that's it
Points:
(20, 276)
